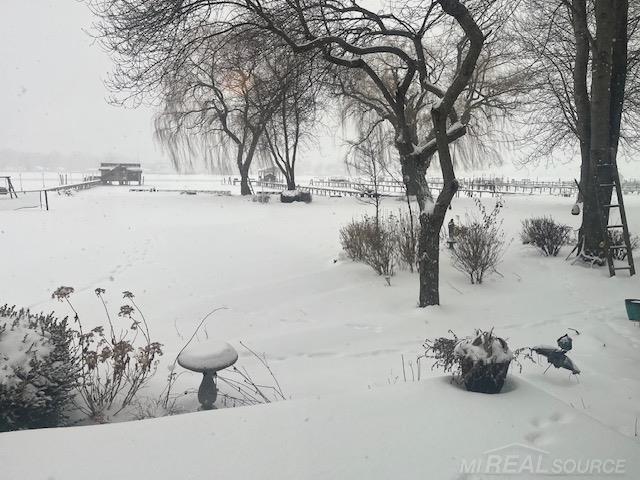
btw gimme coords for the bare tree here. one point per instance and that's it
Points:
(301, 82)
(369, 158)
(411, 38)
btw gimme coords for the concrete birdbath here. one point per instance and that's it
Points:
(208, 358)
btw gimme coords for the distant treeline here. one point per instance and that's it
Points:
(17, 161)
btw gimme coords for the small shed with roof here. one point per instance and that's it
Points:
(120, 173)
(270, 174)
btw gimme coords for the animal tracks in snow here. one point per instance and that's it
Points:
(541, 435)
(332, 354)
(364, 326)
(552, 419)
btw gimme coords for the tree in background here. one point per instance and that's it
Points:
(369, 158)
(296, 115)
(219, 100)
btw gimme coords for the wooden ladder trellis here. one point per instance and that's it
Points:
(10, 189)
(607, 177)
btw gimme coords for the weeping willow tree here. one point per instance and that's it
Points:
(218, 102)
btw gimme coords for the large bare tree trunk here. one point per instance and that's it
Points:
(601, 128)
(290, 177)
(618, 70)
(580, 89)
(244, 160)
(414, 176)
(429, 263)
(245, 188)
(243, 169)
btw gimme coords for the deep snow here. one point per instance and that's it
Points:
(329, 328)
(421, 430)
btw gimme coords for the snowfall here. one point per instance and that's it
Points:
(342, 343)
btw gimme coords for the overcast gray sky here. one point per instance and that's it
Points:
(51, 79)
(53, 99)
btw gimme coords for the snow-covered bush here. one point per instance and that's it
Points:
(114, 366)
(479, 244)
(290, 196)
(480, 362)
(616, 238)
(372, 242)
(545, 234)
(38, 370)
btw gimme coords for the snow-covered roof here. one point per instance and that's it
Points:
(130, 167)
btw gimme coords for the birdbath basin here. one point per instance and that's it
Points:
(208, 358)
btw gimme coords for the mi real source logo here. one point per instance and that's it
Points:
(519, 459)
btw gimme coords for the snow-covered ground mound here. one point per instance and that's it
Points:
(422, 430)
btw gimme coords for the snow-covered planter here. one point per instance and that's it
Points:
(480, 362)
(484, 362)
(290, 196)
(38, 370)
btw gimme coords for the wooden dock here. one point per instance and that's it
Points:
(186, 191)
(480, 186)
(44, 192)
(470, 186)
(327, 191)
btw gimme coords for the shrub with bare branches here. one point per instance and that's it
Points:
(114, 366)
(480, 243)
(545, 234)
(407, 231)
(372, 242)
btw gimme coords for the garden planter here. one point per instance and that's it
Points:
(484, 378)
(480, 362)
(290, 196)
(633, 309)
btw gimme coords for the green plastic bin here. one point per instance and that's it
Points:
(633, 309)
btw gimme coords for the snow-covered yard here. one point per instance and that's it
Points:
(333, 332)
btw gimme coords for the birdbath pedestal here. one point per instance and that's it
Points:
(208, 358)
